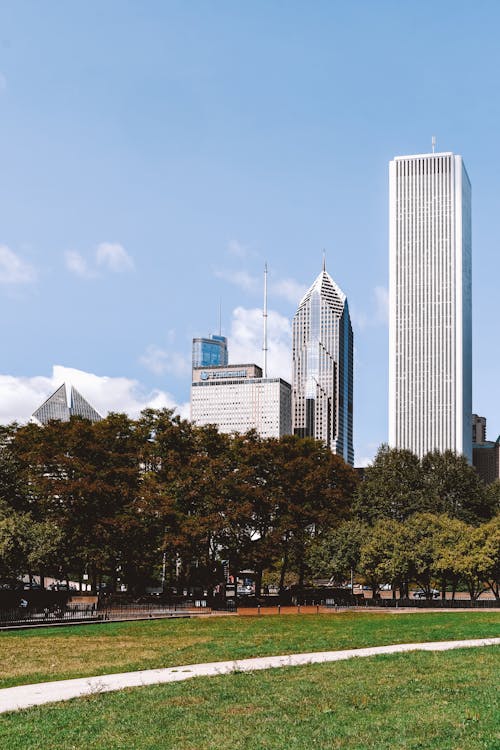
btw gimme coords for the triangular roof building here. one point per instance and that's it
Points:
(57, 407)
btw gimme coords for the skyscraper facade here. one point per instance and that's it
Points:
(237, 398)
(478, 429)
(430, 336)
(210, 352)
(322, 381)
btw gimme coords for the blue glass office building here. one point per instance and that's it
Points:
(211, 352)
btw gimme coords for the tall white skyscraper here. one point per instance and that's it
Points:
(322, 383)
(430, 330)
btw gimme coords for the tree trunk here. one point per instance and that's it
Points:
(302, 573)
(284, 567)
(258, 582)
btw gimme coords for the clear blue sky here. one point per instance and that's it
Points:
(153, 156)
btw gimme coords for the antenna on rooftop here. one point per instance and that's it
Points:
(433, 144)
(324, 260)
(264, 315)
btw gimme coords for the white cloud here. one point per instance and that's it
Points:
(14, 270)
(20, 396)
(364, 461)
(289, 289)
(114, 257)
(76, 263)
(161, 361)
(368, 453)
(108, 256)
(245, 340)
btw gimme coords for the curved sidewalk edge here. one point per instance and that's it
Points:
(25, 696)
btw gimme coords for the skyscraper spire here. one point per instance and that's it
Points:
(324, 261)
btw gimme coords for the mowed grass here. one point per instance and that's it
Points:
(59, 653)
(437, 701)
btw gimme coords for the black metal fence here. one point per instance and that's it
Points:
(152, 611)
(59, 614)
(417, 603)
(26, 617)
(433, 603)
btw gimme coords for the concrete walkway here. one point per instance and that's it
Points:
(25, 696)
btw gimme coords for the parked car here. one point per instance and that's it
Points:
(420, 594)
(245, 590)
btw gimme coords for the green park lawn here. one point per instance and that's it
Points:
(57, 653)
(431, 701)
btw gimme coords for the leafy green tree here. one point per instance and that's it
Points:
(14, 544)
(420, 538)
(486, 539)
(449, 534)
(471, 562)
(393, 487)
(336, 553)
(13, 487)
(386, 555)
(317, 489)
(492, 492)
(455, 487)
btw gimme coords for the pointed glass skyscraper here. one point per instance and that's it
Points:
(56, 407)
(322, 384)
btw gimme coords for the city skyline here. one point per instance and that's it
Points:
(148, 180)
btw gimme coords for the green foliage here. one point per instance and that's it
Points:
(116, 498)
(455, 488)
(393, 487)
(336, 553)
(397, 485)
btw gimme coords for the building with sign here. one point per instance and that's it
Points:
(210, 352)
(237, 398)
(322, 391)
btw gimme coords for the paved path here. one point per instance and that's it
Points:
(25, 696)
